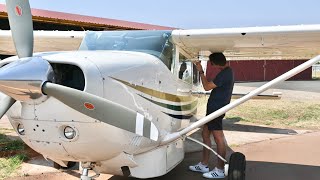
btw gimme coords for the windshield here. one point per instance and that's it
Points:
(156, 43)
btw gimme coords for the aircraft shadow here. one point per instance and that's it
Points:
(230, 125)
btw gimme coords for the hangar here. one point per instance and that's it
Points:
(245, 70)
(59, 21)
(51, 20)
(263, 70)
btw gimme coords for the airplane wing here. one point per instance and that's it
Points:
(273, 42)
(278, 42)
(44, 41)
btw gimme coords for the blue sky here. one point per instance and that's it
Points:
(194, 14)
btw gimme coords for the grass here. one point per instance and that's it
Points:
(279, 113)
(10, 164)
(7, 144)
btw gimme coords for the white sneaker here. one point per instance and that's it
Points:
(214, 174)
(199, 168)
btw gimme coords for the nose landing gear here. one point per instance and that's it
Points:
(85, 172)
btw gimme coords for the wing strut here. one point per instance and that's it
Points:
(181, 134)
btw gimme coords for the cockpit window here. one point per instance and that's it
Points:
(156, 43)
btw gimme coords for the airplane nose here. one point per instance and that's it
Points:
(22, 79)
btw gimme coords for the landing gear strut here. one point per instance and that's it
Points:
(85, 172)
(236, 167)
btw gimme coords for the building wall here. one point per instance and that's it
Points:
(262, 70)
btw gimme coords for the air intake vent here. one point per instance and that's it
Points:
(69, 76)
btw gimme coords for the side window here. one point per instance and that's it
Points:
(185, 71)
(188, 71)
(195, 75)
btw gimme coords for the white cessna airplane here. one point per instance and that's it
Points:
(117, 104)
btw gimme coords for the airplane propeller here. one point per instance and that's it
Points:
(20, 20)
(6, 102)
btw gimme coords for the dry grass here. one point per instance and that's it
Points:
(278, 113)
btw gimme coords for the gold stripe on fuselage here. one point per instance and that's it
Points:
(158, 94)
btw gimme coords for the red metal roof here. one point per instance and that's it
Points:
(91, 19)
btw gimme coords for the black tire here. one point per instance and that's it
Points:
(237, 167)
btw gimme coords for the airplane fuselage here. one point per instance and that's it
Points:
(136, 80)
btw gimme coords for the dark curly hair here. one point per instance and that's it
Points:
(218, 59)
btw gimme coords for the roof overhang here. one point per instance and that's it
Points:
(85, 21)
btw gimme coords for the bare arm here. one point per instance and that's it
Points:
(206, 84)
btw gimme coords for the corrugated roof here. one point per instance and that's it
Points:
(53, 16)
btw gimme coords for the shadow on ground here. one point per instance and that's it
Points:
(230, 125)
(255, 171)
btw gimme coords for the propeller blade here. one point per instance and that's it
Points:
(6, 103)
(104, 110)
(20, 19)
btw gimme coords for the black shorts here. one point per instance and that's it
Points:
(216, 124)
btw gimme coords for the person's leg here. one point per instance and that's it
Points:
(203, 165)
(216, 130)
(221, 146)
(206, 140)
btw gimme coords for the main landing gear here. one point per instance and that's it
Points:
(235, 169)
